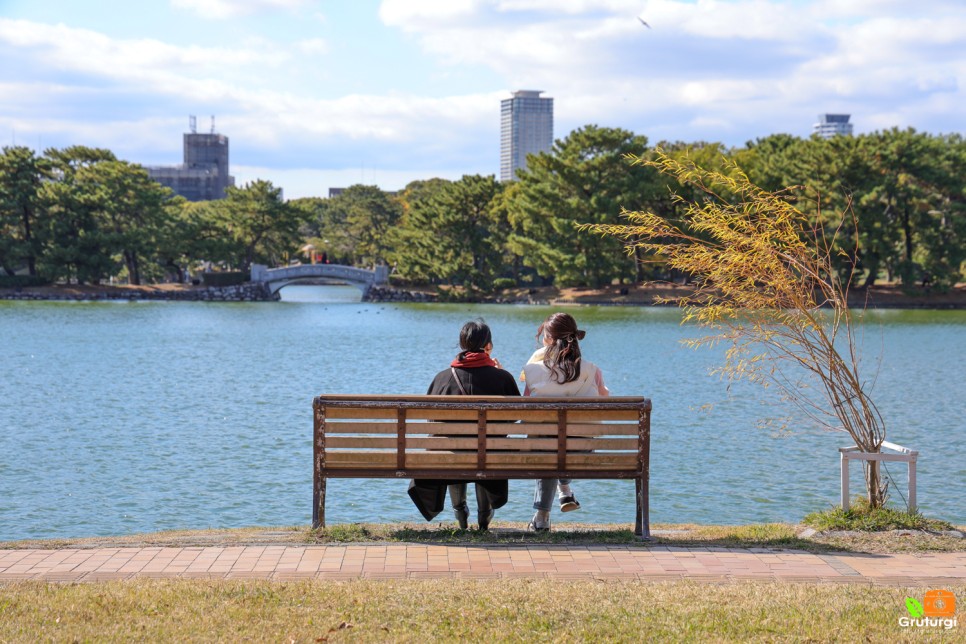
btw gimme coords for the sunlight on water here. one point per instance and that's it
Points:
(129, 417)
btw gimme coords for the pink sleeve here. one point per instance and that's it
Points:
(602, 389)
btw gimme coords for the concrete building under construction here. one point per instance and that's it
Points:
(204, 175)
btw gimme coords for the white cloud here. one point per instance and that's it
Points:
(81, 50)
(313, 46)
(728, 60)
(426, 12)
(222, 9)
(707, 70)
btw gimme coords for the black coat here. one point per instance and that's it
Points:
(429, 495)
(479, 381)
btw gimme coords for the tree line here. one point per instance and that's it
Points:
(893, 201)
(81, 215)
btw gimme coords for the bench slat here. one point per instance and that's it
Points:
(497, 429)
(533, 415)
(414, 428)
(414, 443)
(467, 460)
(545, 415)
(577, 429)
(573, 444)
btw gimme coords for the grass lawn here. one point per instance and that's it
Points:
(477, 610)
(458, 610)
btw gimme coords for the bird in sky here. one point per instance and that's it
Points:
(644, 23)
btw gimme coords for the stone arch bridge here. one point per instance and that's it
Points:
(274, 279)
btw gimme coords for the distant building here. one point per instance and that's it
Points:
(830, 125)
(204, 175)
(526, 127)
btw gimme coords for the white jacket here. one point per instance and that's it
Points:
(538, 379)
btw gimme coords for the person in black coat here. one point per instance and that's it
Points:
(472, 373)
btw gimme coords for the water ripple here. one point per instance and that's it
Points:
(122, 418)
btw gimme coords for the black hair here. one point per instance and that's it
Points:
(562, 356)
(474, 336)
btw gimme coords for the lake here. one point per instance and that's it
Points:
(127, 417)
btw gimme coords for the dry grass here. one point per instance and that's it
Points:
(769, 535)
(179, 538)
(477, 610)
(454, 610)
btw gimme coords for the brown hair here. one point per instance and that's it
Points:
(562, 356)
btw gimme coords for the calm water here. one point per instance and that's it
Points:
(124, 417)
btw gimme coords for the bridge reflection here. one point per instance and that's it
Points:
(320, 293)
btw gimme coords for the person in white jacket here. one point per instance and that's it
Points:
(557, 369)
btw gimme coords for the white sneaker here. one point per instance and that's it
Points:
(538, 523)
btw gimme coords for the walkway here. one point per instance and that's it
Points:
(422, 561)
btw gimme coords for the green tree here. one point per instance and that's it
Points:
(584, 179)
(918, 194)
(354, 227)
(129, 210)
(414, 250)
(451, 232)
(837, 171)
(316, 227)
(259, 226)
(74, 245)
(904, 189)
(21, 176)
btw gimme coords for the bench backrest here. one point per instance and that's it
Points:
(481, 436)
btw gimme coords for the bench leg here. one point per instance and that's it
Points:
(318, 504)
(642, 527)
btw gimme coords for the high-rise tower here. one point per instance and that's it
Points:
(526, 127)
(830, 125)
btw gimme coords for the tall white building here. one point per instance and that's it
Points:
(526, 127)
(830, 125)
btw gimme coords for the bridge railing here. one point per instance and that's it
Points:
(261, 273)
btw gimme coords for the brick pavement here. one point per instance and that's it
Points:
(426, 561)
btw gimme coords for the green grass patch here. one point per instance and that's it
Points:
(449, 533)
(864, 518)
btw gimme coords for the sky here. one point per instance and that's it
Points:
(316, 94)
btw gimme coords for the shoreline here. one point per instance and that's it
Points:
(876, 297)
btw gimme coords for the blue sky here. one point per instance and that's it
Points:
(318, 93)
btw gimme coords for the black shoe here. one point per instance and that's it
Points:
(485, 520)
(568, 504)
(462, 516)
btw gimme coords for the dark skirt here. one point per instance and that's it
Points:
(429, 495)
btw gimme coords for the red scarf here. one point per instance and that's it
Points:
(471, 360)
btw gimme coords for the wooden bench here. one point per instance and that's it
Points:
(471, 438)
